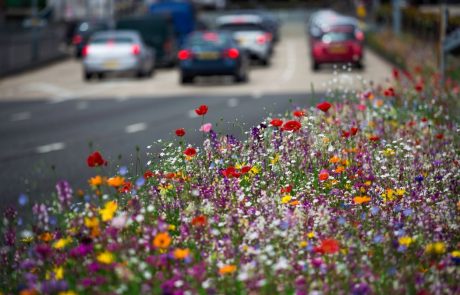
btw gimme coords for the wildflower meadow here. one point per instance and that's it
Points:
(358, 194)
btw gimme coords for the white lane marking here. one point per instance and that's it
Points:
(191, 114)
(82, 105)
(20, 116)
(289, 71)
(138, 127)
(233, 102)
(257, 94)
(56, 146)
(121, 98)
(48, 88)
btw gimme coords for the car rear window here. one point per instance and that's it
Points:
(241, 27)
(337, 37)
(208, 39)
(116, 39)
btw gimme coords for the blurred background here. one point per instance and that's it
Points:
(119, 75)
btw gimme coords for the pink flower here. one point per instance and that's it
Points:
(120, 221)
(206, 127)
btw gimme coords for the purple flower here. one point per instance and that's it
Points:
(64, 193)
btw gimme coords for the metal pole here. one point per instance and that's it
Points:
(397, 17)
(442, 37)
(35, 23)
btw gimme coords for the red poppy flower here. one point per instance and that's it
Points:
(126, 188)
(231, 172)
(389, 92)
(299, 113)
(419, 87)
(328, 246)
(424, 119)
(190, 152)
(292, 126)
(324, 106)
(276, 122)
(199, 220)
(170, 175)
(353, 130)
(95, 160)
(439, 136)
(323, 175)
(246, 169)
(286, 190)
(345, 134)
(395, 74)
(374, 138)
(201, 110)
(180, 132)
(148, 174)
(411, 123)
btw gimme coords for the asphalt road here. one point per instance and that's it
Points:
(49, 117)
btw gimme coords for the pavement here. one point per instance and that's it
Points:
(50, 118)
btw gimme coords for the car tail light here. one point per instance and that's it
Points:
(85, 50)
(184, 54)
(359, 35)
(136, 49)
(262, 39)
(77, 39)
(232, 53)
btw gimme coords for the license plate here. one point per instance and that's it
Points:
(337, 49)
(111, 64)
(208, 55)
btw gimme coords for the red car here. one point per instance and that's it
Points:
(337, 44)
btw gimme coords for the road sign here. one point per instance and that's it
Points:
(452, 41)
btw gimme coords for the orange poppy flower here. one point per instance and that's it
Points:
(162, 240)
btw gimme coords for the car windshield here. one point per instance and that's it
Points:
(87, 26)
(112, 39)
(337, 37)
(208, 39)
(241, 27)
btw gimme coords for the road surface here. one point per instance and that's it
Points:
(49, 117)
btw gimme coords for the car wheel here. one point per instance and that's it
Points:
(241, 77)
(315, 66)
(265, 61)
(184, 79)
(359, 65)
(87, 76)
(100, 76)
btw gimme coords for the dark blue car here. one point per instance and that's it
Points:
(212, 53)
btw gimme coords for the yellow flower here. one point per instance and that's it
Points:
(405, 241)
(58, 273)
(171, 227)
(227, 269)
(254, 170)
(286, 199)
(181, 253)
(388, 195)
(61, 243)
(70, 292)
(400, 192)
(435, 248)
(96, 181)
(455, 254)
(116, 181)
(164, 188)
(311, 235)
(239, 166)
(162, 240)
(275, 159)
(109, 210)
(105, 257)
(389, 152)
(303, 244)
(361, 200)
(368, 183)
(325, 140)
(91, 222)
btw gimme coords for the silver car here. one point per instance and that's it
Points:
(117, 51)
(250, 33)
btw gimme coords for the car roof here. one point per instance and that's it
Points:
(117, 33)
(239, 18)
